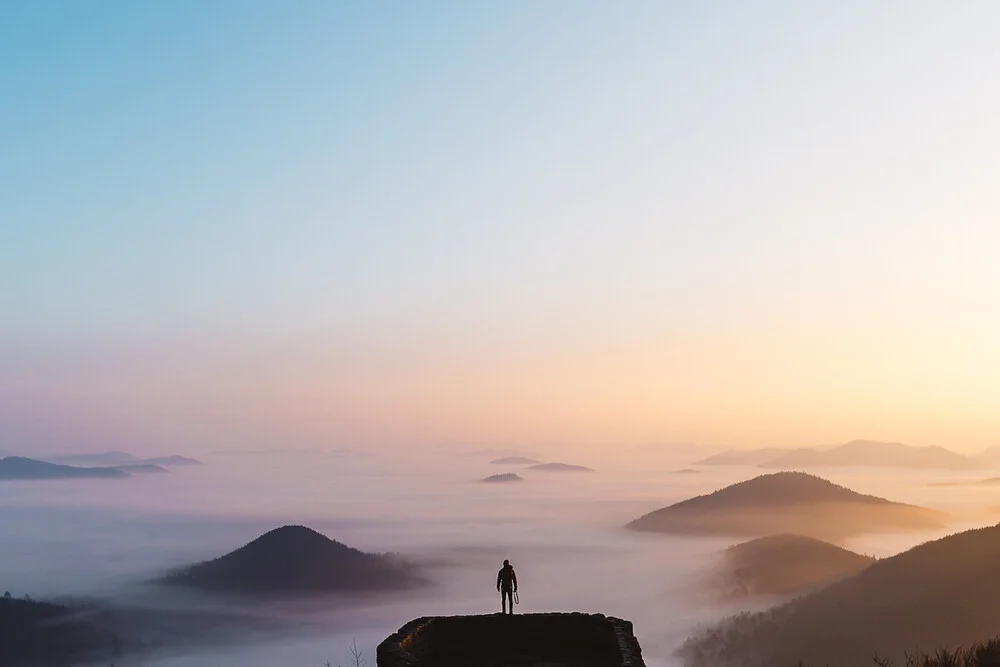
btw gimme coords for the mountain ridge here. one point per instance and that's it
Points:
(45, 634)
(854, 453)
(872, 453)
(786, 564)
(118, 458)
(296, 559)
(941, 593)
(786, 502)
(14, 468)
(515, 460)
(559, 467)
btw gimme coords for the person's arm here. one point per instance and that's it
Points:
(513, 577)
(499, 575)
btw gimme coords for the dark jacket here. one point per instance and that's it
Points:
(506, 578)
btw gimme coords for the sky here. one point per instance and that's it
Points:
(575, 225)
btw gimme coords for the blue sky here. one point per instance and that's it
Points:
(378, 191)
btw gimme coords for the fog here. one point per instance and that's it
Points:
(106, 539)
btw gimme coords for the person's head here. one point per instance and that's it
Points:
(506, 563)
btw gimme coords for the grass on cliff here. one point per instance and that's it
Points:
(979, 654)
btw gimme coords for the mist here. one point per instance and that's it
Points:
(106, 540)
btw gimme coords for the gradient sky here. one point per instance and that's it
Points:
(236, 224)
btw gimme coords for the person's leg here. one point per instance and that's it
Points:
(508, 601)
(503, 601)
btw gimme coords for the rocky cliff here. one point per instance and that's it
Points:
(521, 640)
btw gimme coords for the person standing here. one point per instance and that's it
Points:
(507, 585)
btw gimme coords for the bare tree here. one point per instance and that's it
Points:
(357, 655)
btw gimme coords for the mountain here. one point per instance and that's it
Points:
(873, 454)
(514, 461)
(787, 502)
(939, 594)
(784, 565)
(41, 634)
(296, 559)
(141, 468)
(108, 459)
(172, 461)
(18, 467)
(118, 459)
(742, 457)
(503, 477)
(858, 453)
(559, 467)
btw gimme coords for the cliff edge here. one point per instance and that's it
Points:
(582, 640)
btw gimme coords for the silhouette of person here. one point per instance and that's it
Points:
(507, 585)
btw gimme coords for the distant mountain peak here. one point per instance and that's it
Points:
(503, 477)
(780, 502)
(853, 453)
(23, 468)
(296, 559)
(559, 467)
(872, 453)
(117, 458)
(784, 487)
(297, 534)
(515, 460)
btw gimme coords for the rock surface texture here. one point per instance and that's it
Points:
(521, 640)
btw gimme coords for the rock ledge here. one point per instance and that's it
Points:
(580, 640)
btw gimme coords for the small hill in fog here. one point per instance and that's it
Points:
(173, 460)
(743, 457)
(856, 453)
(119, 459)
(559, 467)
(500, 478)
(686, 471)
(141, 468)
(869, 453)
(41, 634)
(106, 459)
(785, 565)
(296, 559)
(939, 594)
(21, 468)
(787, 502)
(514, 461)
